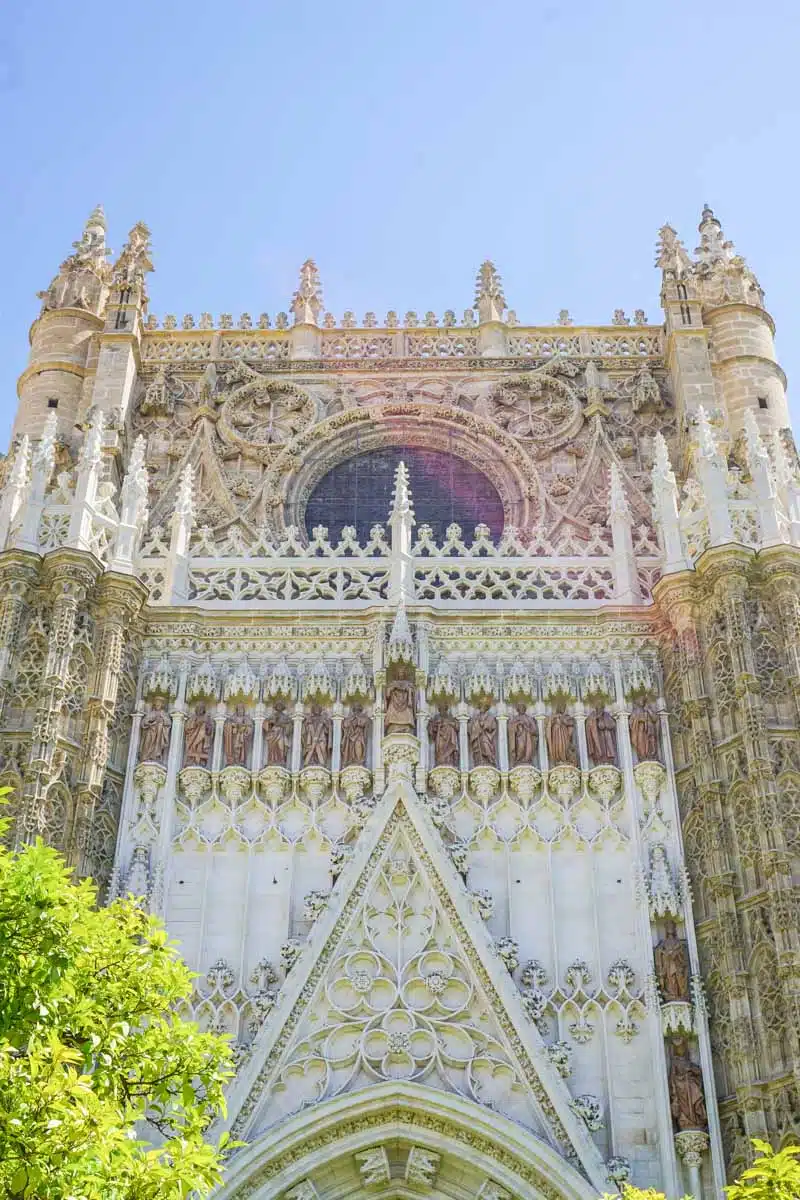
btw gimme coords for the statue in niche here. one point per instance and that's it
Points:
(400, 707)
(643, 724)
(198, 738)
(687, 1101)
(561, 737)
(482, 734)
(444, 734)
(277, 735)
(317, 737)
(237, 737)
(523, 737)
(354, 737)
(601, 737)
(154, 733)
(672, 965)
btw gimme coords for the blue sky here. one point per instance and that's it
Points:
(399, 145)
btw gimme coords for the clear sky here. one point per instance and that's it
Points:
(399, 145)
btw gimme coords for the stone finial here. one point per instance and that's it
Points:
(83, 275)
(706, 438)
(92, 448)
(133, 495)
(618, 501)
(489, 299)
(307, 300)
(134, 260)
(665, 498)
(402, 505)
(184, 501)
(671, 254)
(401, 522)
(713, 247)
(401, 642)
(563, 317)
(44, 455)
(15, 488)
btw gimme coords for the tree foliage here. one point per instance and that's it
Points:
(775, 1175)
(105, 1091)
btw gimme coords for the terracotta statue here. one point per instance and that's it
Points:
(198, 738)
(672, 965)
(277, 736)
(601, 737)
(354, 737)
(444, 734)
(523, 737)
(237, 737)
(317, 737)
(154, 733)
(482, 734)
(687, 1102)
(400, 708)
(644, 732)
(561, 737)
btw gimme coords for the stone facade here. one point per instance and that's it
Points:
(477, 814)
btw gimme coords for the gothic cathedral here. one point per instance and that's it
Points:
(437, 680)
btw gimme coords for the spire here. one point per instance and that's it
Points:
(15, 490)
(307, 300)
(665, 501)
(671, 254)
(134, 260)
(82, 276)
(713, 248)
(618, 501)
(401, 643)
(402, 505)
(401, 521)
(489, 299)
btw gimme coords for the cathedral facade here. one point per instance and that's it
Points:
(437, 680)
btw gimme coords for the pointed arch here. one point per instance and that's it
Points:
(321, 1144)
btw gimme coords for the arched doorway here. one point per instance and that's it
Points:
(400, 1137)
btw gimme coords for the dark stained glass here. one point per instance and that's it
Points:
(444, 488)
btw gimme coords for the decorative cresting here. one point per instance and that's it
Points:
(480, 1152)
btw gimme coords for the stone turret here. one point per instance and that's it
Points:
(740, 333)
(719, 335)
(62, 338)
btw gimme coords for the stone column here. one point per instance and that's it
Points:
(70, 576)
(502, 739)
(579, 712)
(119, 600)
(18, 575)
(259, 714)
(296, 756)
(337, 715)
(174, 764)
(217, 750)
(378, 772)
(691, 1145)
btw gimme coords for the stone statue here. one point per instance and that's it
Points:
(601, 737)
(277, 735)
(482, 734)
(672, 965)
(354, 737)
(561, 737)
(154, 733)
(644, 732)
(198, 738)
(687, 1102)
(317, 737)
(400, 708)
(443, 730)
(237, 737)
(523, 737)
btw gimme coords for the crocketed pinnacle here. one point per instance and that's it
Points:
(489, 299)
(402, 505)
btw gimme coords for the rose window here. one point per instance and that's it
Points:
(446, 489)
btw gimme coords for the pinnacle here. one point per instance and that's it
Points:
(401, 498)
(97, 217)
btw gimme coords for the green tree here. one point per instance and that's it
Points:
(775, 1175)
(105, 1091)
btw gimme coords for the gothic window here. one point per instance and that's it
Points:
(445, 489)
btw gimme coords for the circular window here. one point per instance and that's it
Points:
(444, 489)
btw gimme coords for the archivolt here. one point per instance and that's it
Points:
(297, 470)
(483, 1143)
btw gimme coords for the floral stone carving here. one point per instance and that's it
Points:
(355, 781)
(444, 782)
(195, 783)
(588, 1108)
